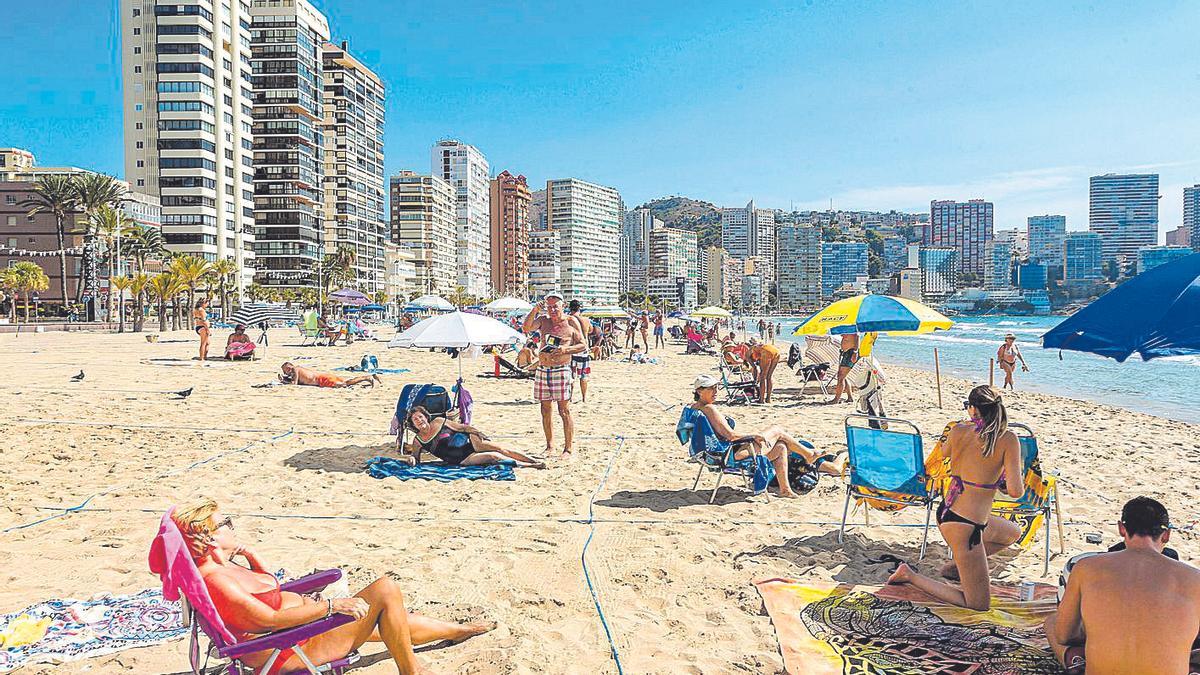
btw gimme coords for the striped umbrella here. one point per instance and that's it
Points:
(873, 314)
(252, 314)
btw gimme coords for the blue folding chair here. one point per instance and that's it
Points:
(737, 390)
(1032, 504)
(714, 454)
(886, 465)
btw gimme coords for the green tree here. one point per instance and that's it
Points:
(10, 283)
(30, 279)
(55, 194)
(1112, 270)
(189, 270)
(121, 284)
(109, 225)
(165, 288)
(137, 287)
(224, 272)
(144, 243)
(94, 192)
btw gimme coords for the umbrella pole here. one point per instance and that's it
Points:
(992, 372)
(937, 373)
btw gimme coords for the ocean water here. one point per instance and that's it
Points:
(1168, 387)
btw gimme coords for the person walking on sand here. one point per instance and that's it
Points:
(203, 329)
(849, 349)
(581, 363)
(552, 379)
(659, 339)
(1007, 357)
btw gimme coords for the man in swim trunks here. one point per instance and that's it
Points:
(1130, 611)
(849, 348)
(581, 363)
(552, 380)
(293, 374)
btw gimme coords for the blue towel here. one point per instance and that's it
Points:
(382, 467)
(373, 371)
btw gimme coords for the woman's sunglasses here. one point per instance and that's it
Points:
(966, 405)
(228, 522)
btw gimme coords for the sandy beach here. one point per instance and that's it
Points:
(672, 572)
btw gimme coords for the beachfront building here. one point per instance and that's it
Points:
(1123, 211)
(1149, 257)
(1046, 234)
(748, 232)
(798, 266)
(354, 184)
(186, 86)
(965, 227)
(636, 227)
(423, 220)
(895, 253)
(464, 167)
(1180, 236)
(1016, 238)
(14, 161)
(1083, 257)
(1191, 215)
(545, 263)
(1031, 276)
(510, 235)
(400, 281)
(841, 262)
(586, 218)
(939, 271)
(673, 272)
(753, 293)
(909, 284)
(998, 258)
(713, 278)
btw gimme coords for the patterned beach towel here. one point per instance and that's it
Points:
(898, 630)
(80, 629)
(383, 467)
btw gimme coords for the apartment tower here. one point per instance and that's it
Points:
(423, 220)
(586, 218)
(510, 199)
(749, 232)
(636, 227)
(674, 268)
(967, 227)
(798, 266)
(1045, 235)
(467, 171)
(1123, 210)
(1191, 215)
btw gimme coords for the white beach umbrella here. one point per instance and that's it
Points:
(459, 330)
(433, 302)
(712, 312)
(607, 312)
(507, 304)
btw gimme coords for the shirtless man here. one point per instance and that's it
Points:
(1131, 611)
(581, 363)
(552, 379)
(293, 374)
(849, 349)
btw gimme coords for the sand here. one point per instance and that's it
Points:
(672, 572)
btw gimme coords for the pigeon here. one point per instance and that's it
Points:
(77, 378)
(185, 393)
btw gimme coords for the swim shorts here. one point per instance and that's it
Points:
(552, 383)
(581, 367)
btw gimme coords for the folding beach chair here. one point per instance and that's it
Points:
(433, 397)
(714, 454)
(737, 390)
(171, 560)
(1041, 496)
(887, 468)
(820, 362)
(511, 369)
(309, 329)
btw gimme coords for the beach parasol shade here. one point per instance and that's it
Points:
(433, 302)
(1155, 314)
(457, 329)
(606, 312)
(254, 314)
(874, 314)
(711, 312)
(373, 308)
(349, 296)
(507, 304)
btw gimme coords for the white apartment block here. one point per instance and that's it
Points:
(354, 186)
(545, 263)
(467, 171)
(423, 220)
(635, 248)
(674, 270)
(187, 122)
(1123, 210)
(586, 218)
(749, 232)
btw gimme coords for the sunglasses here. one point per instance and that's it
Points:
(228, 522)
(966, 405)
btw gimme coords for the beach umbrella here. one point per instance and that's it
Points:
(1155, 314)
(349, 296)
(507, 304)
(873, 314)
(373, 308)
(605, 312)
(459, 330)
(433, 302)
(711, 312)
(252, 314)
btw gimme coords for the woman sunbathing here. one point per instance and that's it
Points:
(983, 453)
(250, 602)
(773, 443)
(455, 443)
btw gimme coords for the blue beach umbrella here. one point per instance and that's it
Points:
(1156, 313)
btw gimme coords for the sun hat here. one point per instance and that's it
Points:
(704, 381)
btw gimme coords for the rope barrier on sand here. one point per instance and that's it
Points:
(591, 522)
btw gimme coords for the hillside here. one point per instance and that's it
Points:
(684, 213)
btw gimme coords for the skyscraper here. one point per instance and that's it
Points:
(510, 234)
(1046, 234)
(585, 216)
(964, 226)
(186, 75)
(1191, 215)
(354, 189)
(423, 220)
(1083, 256)
(997, 266)
(545, 263)
(635, 238)
(673, 272)
(841, 262)
(464, 167)
(714, 279)
(1123, 210)
(939, 271)
(798, 266)
(748, 232)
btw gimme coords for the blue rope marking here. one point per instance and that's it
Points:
(82, 505)
(583, 555)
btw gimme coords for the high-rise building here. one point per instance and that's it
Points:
(1083, 256)
(510, 234)
(1046, 234)
(400, 273)
(1123, 210)
(354, 188)
(798, 266)
(1031, 276)
(1180, 236)
(585, 216)
(964, 226)
(910, 284)
(467, 171)
(545, 263)
(714, 278)
(423, 220)
(1018, 239)
(636, 227)
(841, 262)
(673, 267)
(894, 253)
(939, 271)
(750, 231)
(1191, 215)
(186, 73)
(1150, 257)
(997, 275)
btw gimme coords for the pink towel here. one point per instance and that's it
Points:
(171, 560)
(240, 349)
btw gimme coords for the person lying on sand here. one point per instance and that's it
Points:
(1130, 611)
(293, 374)
(774, 443)
(983, 454)
(250, 602)
(455, 443)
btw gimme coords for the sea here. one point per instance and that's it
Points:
(1167, 387)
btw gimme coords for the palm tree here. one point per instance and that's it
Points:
(111, 226)
(189, 270)
(10, 283)
(164, 288)
(338, 268)
(224, 271)
(55, 194)
(137, 287)
(30, 278)
(146, 242)
(121, 284)
(94, 192)
(256, 292)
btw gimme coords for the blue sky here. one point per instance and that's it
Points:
(874, 105)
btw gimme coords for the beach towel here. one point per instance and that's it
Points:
(80, 629)
(383, 467)
(898, 630)
(373, 371)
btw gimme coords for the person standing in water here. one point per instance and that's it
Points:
(1007, 357)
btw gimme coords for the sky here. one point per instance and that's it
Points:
(873, 105)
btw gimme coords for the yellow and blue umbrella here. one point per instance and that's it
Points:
(874, 314)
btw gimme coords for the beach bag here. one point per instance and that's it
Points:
(802, 476)
(436, 400)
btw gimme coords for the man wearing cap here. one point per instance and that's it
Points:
(1130, 611)
(560, 340)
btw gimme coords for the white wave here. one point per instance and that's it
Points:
(941, 337)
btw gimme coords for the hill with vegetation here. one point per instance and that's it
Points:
(694, 215)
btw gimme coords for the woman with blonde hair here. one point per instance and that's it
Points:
(250, 602)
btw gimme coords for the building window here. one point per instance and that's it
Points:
(137, 31)
(137, 12)
(137, 50)
(12, 220)
(139, 144)
(140, 163)
(141, 182)
(137, 125)
(10, 199)
(137, 69)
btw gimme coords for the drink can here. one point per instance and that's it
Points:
(1027, 590)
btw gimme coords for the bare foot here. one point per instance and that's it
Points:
(567, 455)
(949, 571)
(902, 575)
(376, 378)
(788, 495)
(470, 630)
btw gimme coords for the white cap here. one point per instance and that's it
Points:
(704, 381)
(554, 294)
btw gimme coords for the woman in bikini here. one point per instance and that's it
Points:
(200, 320)
(455, 443)
(250, 602)
(983, 452)
(1007, 357)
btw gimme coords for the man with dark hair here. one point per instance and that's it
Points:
(1129, 611)
(581, 363)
